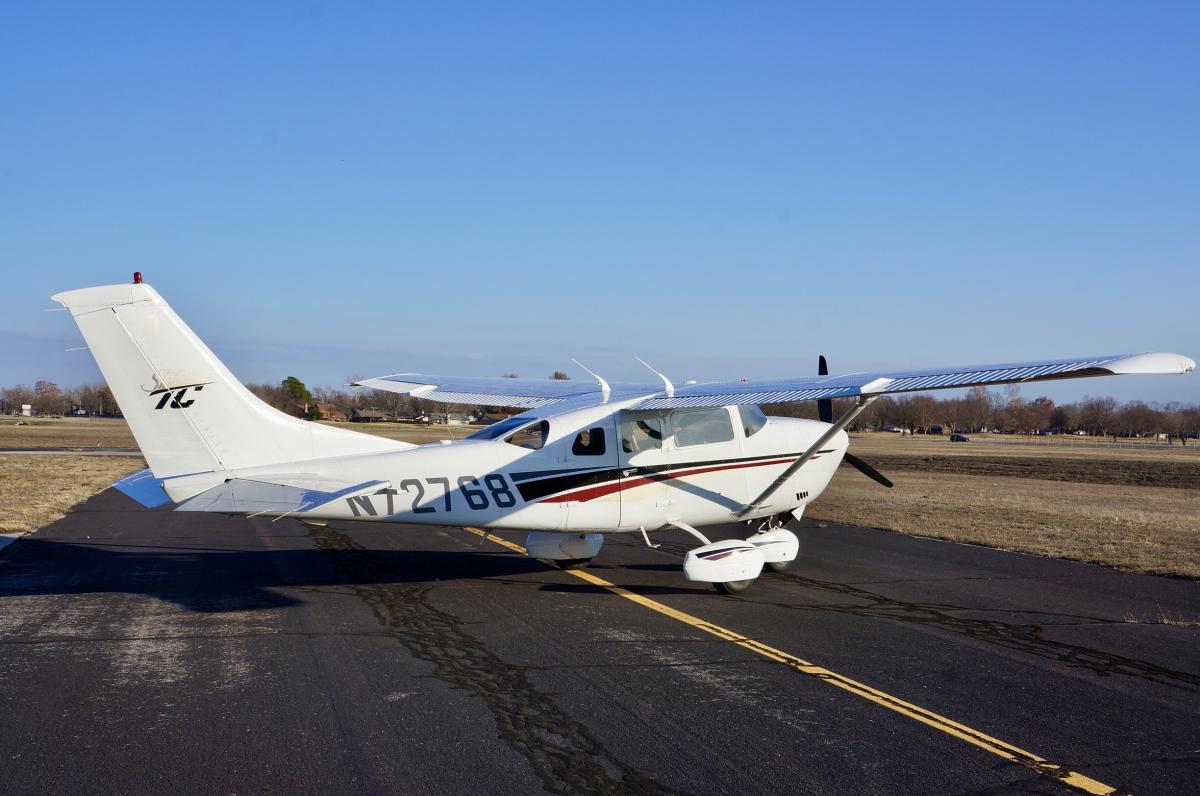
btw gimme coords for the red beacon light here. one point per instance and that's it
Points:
(137, 277)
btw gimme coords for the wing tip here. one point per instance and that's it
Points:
(1152, 363)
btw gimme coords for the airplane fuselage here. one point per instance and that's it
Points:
(600, 468)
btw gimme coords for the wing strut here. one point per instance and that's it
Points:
(861, 403)
(667, 385)
(605, 390)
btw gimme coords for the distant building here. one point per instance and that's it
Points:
(488, 418)
(420, 417)
(331, 412)
(450, 419)
(366, 416)
(27, 410)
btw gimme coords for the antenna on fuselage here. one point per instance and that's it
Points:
(670, 388)
(605, 390)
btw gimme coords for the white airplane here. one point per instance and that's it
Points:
(583, 460)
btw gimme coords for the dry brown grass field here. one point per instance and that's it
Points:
(1132, 506)
(53, 432)
(36, 490)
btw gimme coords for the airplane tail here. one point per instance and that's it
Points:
(188, 413)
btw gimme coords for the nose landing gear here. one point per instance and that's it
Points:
(780, 547)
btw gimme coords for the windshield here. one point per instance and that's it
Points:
(497, 430)
(752, 419)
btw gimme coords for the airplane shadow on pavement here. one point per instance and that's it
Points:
(211, 580)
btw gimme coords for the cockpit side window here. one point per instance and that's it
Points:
(753, 419)
(641, 432)
(532, 437)
(589, 443)
(701, 427)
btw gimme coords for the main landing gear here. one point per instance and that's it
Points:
(731, 565)
(565, 551)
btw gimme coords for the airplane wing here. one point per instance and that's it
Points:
(518, 393)
(537, 393)
(887, 382)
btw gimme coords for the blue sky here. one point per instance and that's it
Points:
(727, 190)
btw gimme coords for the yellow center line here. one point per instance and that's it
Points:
(1009, 752)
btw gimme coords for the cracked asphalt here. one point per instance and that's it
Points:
(148, 651)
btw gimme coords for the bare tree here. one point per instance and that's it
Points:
(47, 398)
(1170, 419)
(977, 409)
(15, 397)
(1136, 419)
(1065, 417)
(1038, 414)
(1189, 422)
(1096, 415)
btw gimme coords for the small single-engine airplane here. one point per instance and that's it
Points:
(583, 460)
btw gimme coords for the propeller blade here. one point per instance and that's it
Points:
(825, 405)
(868, 470)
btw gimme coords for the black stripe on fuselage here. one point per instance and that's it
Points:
(573, 479)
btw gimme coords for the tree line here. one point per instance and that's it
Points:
(1003, 410)
(1006, 411)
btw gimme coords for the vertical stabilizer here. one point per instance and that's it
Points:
(188, 413)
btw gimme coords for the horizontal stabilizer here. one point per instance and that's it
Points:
(286, 494)
(144, 488)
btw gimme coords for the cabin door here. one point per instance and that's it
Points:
(589, 463)
(644, 457)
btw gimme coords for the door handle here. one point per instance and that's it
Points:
(629, 472)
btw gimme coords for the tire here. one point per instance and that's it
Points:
(733, 586)
(777, 566)
(572, 563)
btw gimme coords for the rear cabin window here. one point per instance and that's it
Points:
(702, 427)
(531, 437)
(589, 443)
(497, 430)
(752, 419)
(641, 433)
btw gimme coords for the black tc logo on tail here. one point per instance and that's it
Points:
(173, 396)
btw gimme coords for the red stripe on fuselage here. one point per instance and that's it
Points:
(594, 492)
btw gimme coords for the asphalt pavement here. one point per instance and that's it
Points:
(145, 651)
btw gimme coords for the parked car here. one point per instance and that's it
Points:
(959, 438)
